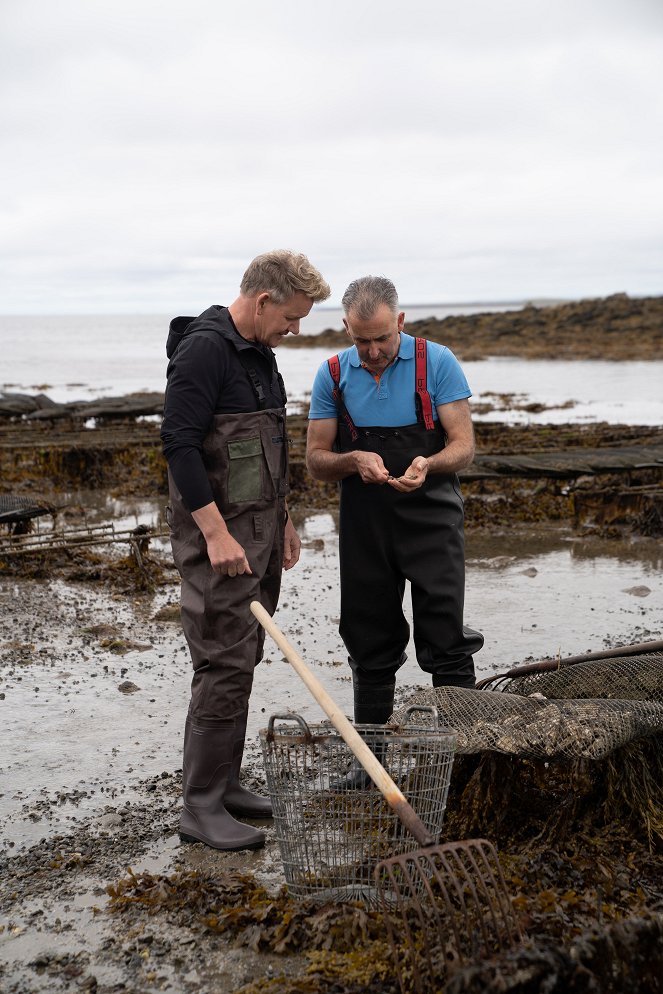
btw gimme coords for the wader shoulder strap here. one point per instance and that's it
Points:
(335, 373)
(245, 358)
(422, 399)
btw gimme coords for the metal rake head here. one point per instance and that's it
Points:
(445, 906)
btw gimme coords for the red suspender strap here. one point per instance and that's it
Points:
(423, 397)
(335, 373)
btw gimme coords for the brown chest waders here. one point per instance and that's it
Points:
(246, 460)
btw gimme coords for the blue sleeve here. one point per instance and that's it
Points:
(448, 380)
(322, 402)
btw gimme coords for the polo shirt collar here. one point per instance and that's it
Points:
(405, 350)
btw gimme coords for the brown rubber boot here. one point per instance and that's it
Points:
(238, 800)
(208, 756)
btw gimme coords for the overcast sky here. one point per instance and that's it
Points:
(472, 150)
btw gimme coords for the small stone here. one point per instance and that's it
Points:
(640, 590)
(110, 821)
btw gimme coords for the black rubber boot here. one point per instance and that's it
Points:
(238, 800)
(208, 757)
(374, 705)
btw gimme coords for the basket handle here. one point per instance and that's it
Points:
(288, 716)
(433, 711)
(376, 771)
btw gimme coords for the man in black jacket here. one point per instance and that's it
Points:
(224, 437)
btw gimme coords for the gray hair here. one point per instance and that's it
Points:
(281, 274)
(365, 295)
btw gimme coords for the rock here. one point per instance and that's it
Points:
(17, 403)
(638, 591)
(100, 631)
(120, 646)
(169, 612)
(128, 687)
(110, 821)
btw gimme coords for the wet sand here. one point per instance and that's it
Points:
(95, 692)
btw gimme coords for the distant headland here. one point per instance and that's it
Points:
(618, 327)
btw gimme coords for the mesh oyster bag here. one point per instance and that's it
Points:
(537, 727)
(638, 678)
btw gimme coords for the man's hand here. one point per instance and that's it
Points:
(227, 556)
(413, 477)
(370, 467)
(323, 463)
(291, 546)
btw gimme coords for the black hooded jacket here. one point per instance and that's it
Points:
(212, 370)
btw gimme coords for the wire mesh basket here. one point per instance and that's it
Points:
(331, 838)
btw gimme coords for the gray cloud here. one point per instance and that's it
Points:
(471, 151)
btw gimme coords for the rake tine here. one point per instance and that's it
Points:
(424, 878)
(473, 874)
(500, 889)
(403, 907)
(471, 879)
(445, 857)
(452, 918)
(467, 908)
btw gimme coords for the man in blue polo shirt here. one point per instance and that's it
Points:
(390, 419)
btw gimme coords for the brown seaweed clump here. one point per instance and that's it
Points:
(520, 802)
(580, 850)
(340, 940)
(134, 573)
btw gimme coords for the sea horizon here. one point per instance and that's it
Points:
(440, 304)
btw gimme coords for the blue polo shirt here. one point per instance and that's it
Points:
(389, 403)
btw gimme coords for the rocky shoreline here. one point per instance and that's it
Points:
(615, 328)
(601, 479)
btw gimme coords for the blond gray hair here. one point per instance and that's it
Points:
(365, 295)
(281, 274)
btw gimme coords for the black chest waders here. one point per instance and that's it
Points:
(386, 538)
(246, 459)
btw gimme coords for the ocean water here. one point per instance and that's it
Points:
(82, 357)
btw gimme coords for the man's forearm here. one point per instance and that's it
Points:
(454, 457)
(330, 467)
(210, 522)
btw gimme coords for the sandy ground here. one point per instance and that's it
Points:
(94, 690)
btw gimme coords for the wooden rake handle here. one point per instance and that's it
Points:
(376, 771)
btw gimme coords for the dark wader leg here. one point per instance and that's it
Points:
(224, 649)
(373, 626)
(238, 800)
(226, 644)
(431, 553)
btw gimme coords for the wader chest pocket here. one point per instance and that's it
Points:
(245, 469)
